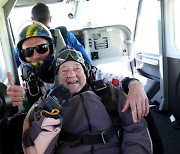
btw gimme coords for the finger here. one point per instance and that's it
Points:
(139, 111)
(147, 107)
(126, 106)
(15, 93)
(10, 78)
(16, 99)
(134, 115)
(143, 105)
(15, 89)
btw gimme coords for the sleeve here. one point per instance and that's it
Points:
(135, 137)
(73, 42)
(98, 74)
(125, 83)
(117, 80)
(41, 129)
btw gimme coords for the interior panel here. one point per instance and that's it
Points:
(110, 47)
(174, 87)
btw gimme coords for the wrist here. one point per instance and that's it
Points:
(126, 83)
(134, 82)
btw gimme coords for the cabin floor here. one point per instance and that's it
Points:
(170, 136)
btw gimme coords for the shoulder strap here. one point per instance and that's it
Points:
(101, 89)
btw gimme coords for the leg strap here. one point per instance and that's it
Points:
(98, 138)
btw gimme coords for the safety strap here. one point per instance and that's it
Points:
(101, 89)
(98, 138)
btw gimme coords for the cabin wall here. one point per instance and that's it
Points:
(5, 50)
(112, 47)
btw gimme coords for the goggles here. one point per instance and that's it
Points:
(70, 54)
(41, 49)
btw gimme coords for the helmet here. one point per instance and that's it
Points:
(71, 54)
(36, 29)
(33, 29)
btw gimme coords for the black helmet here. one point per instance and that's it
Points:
(71, 54)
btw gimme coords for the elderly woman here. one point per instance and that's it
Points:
(89, 124)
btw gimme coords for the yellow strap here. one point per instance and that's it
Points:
(53, 112)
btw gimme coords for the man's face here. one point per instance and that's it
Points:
(72, 75)
(34, 42)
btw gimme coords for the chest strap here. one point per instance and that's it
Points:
(98, 138)
(101, 89)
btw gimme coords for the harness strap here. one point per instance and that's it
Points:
(98, 138)
(101, 89)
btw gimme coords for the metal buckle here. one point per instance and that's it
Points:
(119, 133)
(103, 137)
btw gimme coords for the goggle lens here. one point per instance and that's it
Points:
(75, 55)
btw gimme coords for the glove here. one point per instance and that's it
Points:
(32, 81)
(32, 85)
(58, 97)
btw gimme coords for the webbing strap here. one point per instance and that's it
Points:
(98, 138)
(101, 89)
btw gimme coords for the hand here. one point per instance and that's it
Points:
(14, 91)
(59, 96)
(138, 101)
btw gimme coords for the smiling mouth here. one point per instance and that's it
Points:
(72, 82)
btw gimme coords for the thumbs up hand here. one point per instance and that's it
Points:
(16, 92)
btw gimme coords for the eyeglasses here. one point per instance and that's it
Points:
(28, 52)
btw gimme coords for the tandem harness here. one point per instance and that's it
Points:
(101, 89)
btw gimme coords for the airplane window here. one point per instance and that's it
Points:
(2, 64)
(177, 23)
(17, 19)
(88, 14)
(94, 14)
(147, 39)
(59, 16)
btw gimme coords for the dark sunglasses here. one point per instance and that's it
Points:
(28, 52)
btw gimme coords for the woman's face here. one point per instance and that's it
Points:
(72, 75)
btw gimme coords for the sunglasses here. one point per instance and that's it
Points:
(41, 49)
